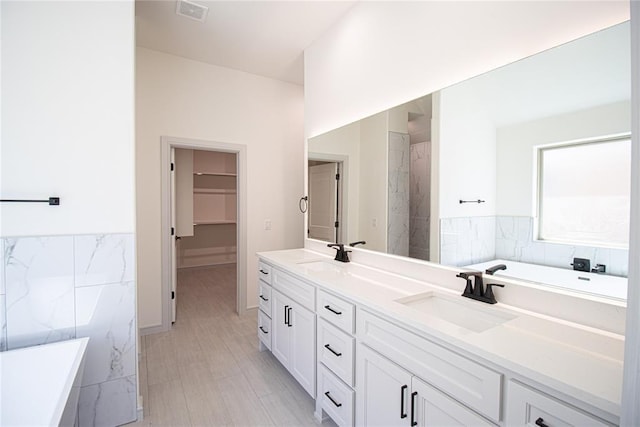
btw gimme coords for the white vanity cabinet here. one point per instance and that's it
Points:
(529, 407)
(264, 306)
(293, 328)
(336, 358)
(390, 395)
(472, 391)
(370, 362)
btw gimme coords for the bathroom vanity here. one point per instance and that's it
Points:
(375, 347)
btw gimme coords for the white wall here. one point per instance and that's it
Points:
(184, 98)
(367, 62)
(67, 117)
(467, 160)
(373, 181)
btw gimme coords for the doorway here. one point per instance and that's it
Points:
(203, 214)
(326, 218)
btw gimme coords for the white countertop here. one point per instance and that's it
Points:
(36, 382)
(581, 362)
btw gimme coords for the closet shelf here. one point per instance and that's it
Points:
(200, 190)
(214, 222)
(215, 173)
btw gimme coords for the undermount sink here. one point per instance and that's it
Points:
(321, 267)
(458, 313)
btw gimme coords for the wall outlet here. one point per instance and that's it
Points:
(374, 222)
(267, 224)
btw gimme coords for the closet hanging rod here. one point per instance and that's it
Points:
(53, 201)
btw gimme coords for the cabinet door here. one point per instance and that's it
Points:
(528, 407)
(280, 340)
(431, 407)
(383, 391)
(303, 346)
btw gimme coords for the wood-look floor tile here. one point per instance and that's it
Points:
(283, 410)
(245, 407)
(208, 371)
(205, 401)
(167, 405)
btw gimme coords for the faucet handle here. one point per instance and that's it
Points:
(468, 289)
(488, 293)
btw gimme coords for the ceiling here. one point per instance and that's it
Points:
(267, 38)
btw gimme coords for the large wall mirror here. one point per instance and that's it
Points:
(528, 165)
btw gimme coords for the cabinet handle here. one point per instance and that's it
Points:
(403, 390)
(332, 350)
(263, 298)
(289, 319)
(286, 315)
(413, 408)
(263, 272)
(262, 329)
(540, 422)
(331, 399)
(328, 307)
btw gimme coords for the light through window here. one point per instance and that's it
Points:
(584, 193)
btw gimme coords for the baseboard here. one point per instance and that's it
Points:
(152, 330)
(140, 411)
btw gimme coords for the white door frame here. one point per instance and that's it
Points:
(168, 142)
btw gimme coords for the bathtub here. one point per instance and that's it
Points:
(40, 385)
(581, 281)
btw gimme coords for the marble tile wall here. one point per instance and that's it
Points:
(398, 214)
(63, 287)
(515, 242)
(469, 240)
(419, 200)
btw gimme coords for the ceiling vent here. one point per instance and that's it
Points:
(192, 10)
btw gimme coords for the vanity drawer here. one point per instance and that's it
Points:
(264, 329)
(264, 272)
(526, 406)
(336, 398)
(466, 381)
(264, 297)
(299, 291)
(336, 310)
(336, 351)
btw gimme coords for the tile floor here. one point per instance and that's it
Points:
(207, 371)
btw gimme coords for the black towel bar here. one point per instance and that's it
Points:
(53, 201)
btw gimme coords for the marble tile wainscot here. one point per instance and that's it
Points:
(55, 288)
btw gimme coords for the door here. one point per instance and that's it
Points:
(174, 237)
(280, 344)
(434, 408)
(384, 391)
(303, 345)
(323, 201)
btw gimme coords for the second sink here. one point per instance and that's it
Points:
(459, 313)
